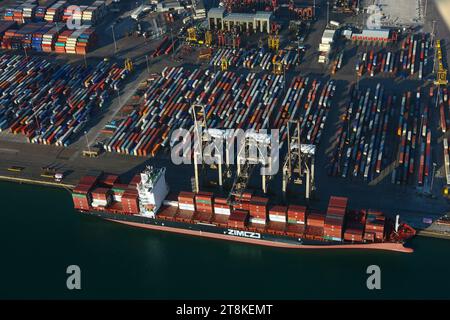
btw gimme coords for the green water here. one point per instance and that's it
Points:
(41, 235)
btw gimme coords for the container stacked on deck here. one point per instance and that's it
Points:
(231, 100)
(48, 103)
(55, 11)
(354, 228)
(81, 195)
(277, 214)
(244, 202)
(375, 224)
(204, 202)
(238, 219)
(335, 217)
(315, 222)
(118, 190)
(296, 214)
(130, 200)
(101, 197)
(258, 210)
(186, 201)
(221, 206)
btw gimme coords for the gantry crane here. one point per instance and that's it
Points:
(208, 38)
(441, 76)
(255, 149)
(192, 35)
(298, 165)
(274, 41)
(210, 140)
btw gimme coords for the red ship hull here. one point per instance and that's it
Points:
(387, 246)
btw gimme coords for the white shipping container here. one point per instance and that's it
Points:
(258, 221)
(189, 207)
(277, 218)
(324, 47)
(222, 211)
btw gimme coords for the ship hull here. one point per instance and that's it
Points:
(217, 232)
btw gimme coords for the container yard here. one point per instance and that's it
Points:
(412, 59)
(390, 134)
(54, 26)
(232, 101)
(49, 103)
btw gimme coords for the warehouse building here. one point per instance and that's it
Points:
(257, 22)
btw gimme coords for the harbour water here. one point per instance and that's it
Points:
(41, 235)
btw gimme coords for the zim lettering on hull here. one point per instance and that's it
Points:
(245, 234)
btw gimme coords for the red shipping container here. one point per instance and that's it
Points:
(340, 202)
(315, 219)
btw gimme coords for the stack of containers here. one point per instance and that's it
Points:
(25, 34)
(375, 223)
(101, 197)
(38, 37)
(85, 41)
(314, 225)
(8, 14)
(296, 214)
(94, 13)
(221, 206)
(49, 38)
(296, 218)
(334, 221)
(204, 202)
(186, 201)
(117, 191)
(130, 201)
(244, 203)
(81, 197)
(50, 104)
(41, 9)
(29, 9)
(60, 44)
(238, 219)
(258, 210)
(109, 179)
(55, 12)
(71, 41)
(74, 14)
(82, 193)
(5, 26)
(277, 214)
(354, 228)
(18, 15)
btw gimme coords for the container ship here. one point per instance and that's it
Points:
(145, 202)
